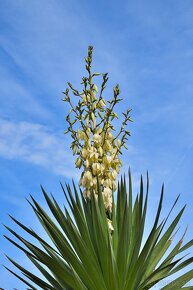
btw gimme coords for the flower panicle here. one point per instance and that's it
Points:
(94, 142)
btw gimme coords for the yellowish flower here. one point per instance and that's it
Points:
(84, 153)
(86, 99)
(110, 225)
(107, 196)
(93, 182)
(81, 135)
(101, 104)
(114, 174)
(97, 138)
(87, 193)
(110, 136)
(93, 154)
(87, 178)
(96, 168)
(107, 183)
(107, 145)
(107, 160)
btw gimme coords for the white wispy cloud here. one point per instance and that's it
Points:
(36, 144)
(15, 96)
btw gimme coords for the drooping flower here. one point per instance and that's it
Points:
(97, 138)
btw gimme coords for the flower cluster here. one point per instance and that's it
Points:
(95, 144)
(99, 157)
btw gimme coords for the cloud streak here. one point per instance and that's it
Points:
(36, 144)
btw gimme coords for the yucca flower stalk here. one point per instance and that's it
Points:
(95, 140)
(97, 240)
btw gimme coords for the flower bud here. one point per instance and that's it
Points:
(107, 145)
(78, 162)
(100, 150)
(114, 174)
(87, 163)
(94, 96)
(92, 116)
(110, 136)
(84, 153)
(95, 88)
(74, 149)
(101, 104)
(99, 131)
(87, 121)
(119, 143)
(86, 99)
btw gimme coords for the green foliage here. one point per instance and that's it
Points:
(86, 255)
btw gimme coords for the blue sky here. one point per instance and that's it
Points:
(146, 46)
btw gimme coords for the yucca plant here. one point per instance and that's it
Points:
(97, 240)
(86, 255)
